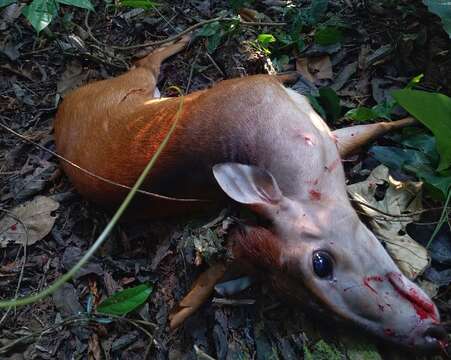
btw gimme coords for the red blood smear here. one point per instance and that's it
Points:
(314, 195)
(389, 332)
(308, 140)
(423, 307)
(366, 281)
(333, 165)
(312, 182)
(13, 227)
(443, 345)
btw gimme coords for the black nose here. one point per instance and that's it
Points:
(436, 333)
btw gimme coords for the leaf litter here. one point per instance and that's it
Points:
(40, 70)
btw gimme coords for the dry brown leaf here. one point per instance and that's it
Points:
(321, 67)
(302, 68)
(199, 293)
(400, 198)
(37, 215)
(94, 348)
(315, 68)
(73, 76)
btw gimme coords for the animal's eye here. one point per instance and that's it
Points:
(322, 264)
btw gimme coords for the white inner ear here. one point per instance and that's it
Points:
(156, 93)
(247, 184)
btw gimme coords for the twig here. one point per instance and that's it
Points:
(40, 333)
(180, 34)
(409, 214)
(191, 71)
(215, 64)
(24, 259)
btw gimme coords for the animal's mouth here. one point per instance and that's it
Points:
(424, 308)
(434, 338)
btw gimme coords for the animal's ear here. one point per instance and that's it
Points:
(248, 184)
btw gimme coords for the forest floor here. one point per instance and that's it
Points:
(359, 50)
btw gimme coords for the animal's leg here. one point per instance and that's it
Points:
(351, 139)
(153, 61)
(289, 76)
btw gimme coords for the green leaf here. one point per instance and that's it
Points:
(328, 35)
(318, 10)
(126, 300)
(330, 101)
(4, 3)
(415, 162)
(434, 111)
(84, 4)
(322, 351)
(214, 34)
(385, 108)
(280, 62)
(414, 81)
(237, 4)
(316, 106)
(210, 29)
(361, 113)
(265, 39)
(214, 41)
(40, 13)
(442, 8)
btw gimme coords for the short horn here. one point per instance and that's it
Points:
(351, 139)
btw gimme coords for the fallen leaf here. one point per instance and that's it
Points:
(94, 348)
(302, 68)
(400, 198)
(73, 76)
(199, 293)
(315, 68)
(37, 216)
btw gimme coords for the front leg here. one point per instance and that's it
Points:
(351, 139)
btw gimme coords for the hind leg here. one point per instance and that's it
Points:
(152, 62)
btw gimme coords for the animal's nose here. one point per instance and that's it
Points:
(436, 335)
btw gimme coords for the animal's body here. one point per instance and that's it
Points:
(265, 147)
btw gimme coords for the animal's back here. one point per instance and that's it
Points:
(251, 120)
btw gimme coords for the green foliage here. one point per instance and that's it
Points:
(330, 102)
(215, 32)
(265, 40)
(238, 4)
(126, 300)
(328, 35)
(280, 62)
(40, 13)
(417, 155)
(434, 111)
(6, 2)
(442, 8)
(140, 4)
(322, 351)
(363, 113)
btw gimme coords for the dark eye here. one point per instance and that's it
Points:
(322, 264)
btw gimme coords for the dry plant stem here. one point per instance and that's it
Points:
(36, 334)
(106, 231)
(76, 319)
(180, 34)
(24, 260)
(409, 214)
(188, 84)
(91, 173)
